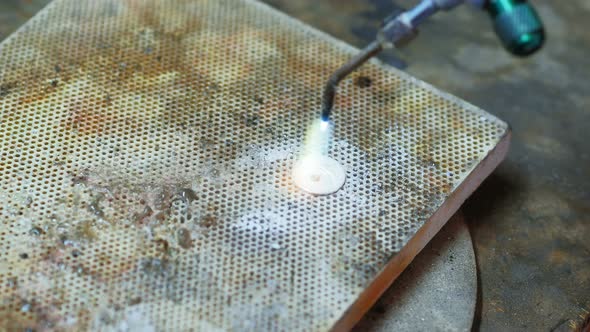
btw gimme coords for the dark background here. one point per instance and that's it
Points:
(530, 221)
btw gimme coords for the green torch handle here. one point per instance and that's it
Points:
(517, 24)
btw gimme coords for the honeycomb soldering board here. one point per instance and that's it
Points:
(145, 173)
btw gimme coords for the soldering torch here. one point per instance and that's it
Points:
(515, 21)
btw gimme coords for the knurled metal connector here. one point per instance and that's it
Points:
(396, 33)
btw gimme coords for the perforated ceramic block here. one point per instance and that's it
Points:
(145, 173)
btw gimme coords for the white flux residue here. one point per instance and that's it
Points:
(315, 172)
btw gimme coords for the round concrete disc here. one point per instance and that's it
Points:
(319, 175)
(437, 292)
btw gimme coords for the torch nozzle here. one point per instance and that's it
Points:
(330, 87)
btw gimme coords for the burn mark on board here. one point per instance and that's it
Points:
(95, 207)
(162, 246)
(6, 88)
(183, 236)
(187, 195)
(142, 216)
(36, 231)
(82, 232)
(251, 120)
(155, 266)
(163, 199)
(363, 81)
(208, 221)
(80, 178)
